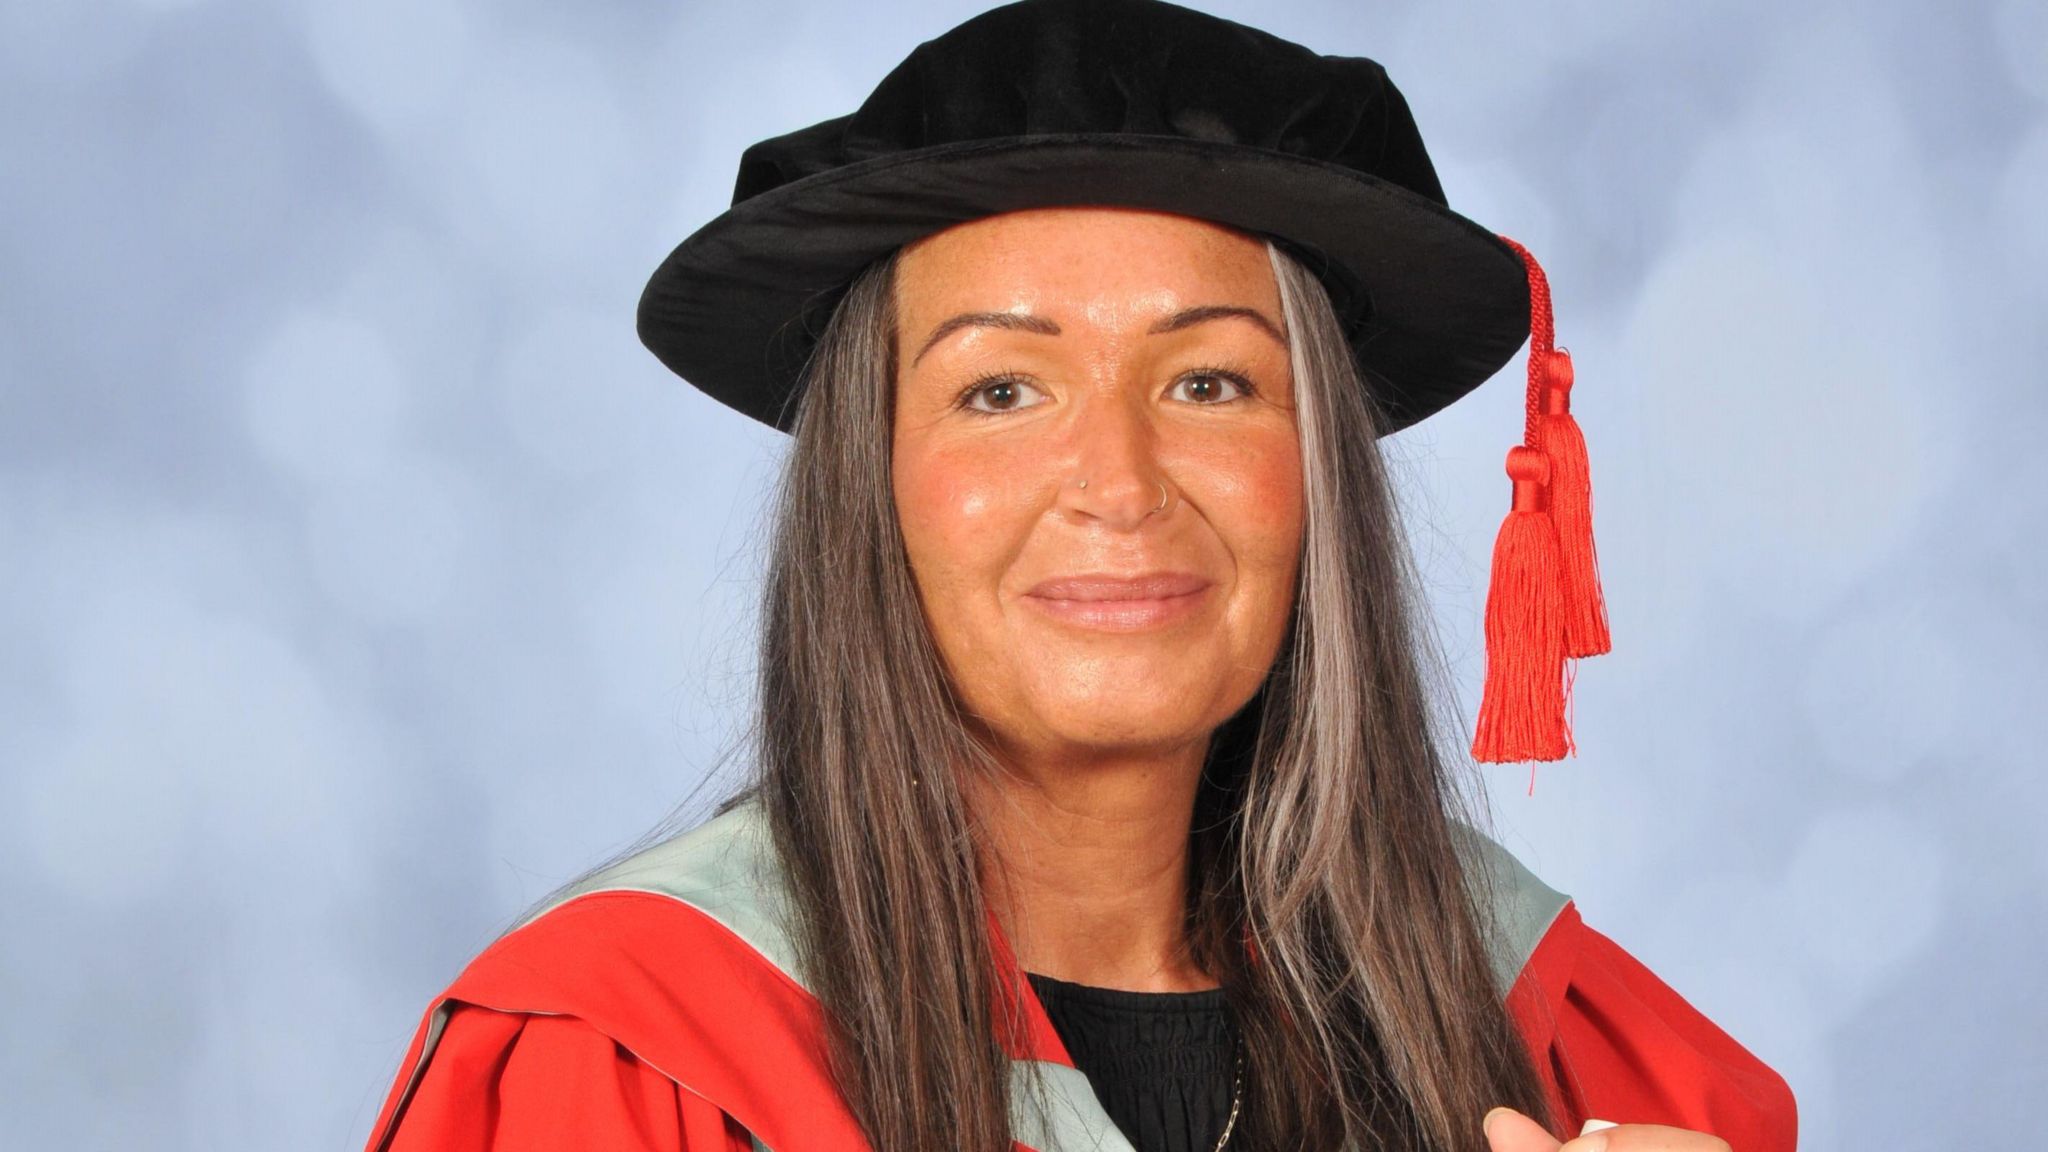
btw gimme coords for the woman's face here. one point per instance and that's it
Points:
(1131, 349)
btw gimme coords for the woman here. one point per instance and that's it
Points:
(1099, 798)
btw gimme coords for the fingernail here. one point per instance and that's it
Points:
(1596, 1125)
(1486, 1125)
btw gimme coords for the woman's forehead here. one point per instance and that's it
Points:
(1104, 260)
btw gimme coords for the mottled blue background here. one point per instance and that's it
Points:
(361, 576)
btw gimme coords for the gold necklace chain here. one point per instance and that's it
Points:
(1236, 1099)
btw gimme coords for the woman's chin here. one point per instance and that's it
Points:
(1126, 720)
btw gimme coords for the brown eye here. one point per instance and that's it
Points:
(1208, 383)
(1002, 389)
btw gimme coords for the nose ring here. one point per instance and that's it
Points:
(1162, 495)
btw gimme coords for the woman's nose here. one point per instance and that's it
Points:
(1117, 477)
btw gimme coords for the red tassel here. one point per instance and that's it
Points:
(1571, 509)
(1522, 708)
(1545, 606)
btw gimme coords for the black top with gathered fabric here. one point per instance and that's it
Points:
(1160, 1062)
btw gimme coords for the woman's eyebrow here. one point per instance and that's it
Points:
(1026, 322)
(1023, 321)
(1187, 317)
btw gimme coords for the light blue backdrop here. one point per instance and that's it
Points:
(361, 577)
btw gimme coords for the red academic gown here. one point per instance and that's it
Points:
(658, 1007)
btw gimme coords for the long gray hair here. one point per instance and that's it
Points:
(1322, 827)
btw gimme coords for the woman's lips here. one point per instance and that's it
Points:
(1123, 613)
(1105, 586)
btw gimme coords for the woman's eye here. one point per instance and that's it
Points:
(1209, 381)
(1004, 386)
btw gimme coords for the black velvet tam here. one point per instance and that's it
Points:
(1135, 103)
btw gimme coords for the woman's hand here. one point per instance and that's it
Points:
(1509, 1131)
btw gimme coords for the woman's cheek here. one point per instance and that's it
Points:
(952, 505)
(1271, 536)
(1265, 500)
(958, 494)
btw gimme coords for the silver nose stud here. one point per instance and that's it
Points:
(1162, 494)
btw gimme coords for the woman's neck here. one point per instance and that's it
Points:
(1086, 868)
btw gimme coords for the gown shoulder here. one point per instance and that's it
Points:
(651, 1006)
(525, 1082)
(1610, 1038)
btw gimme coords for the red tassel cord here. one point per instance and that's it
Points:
(1545, 606)
(1551, 428)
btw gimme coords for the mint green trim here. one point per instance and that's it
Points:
(725, 867)
(1053, 1108)
(437, 1021)
(1515, 908)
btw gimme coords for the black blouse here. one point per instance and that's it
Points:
(1160, 1062)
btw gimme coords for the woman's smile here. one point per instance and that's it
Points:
(1122, 614)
